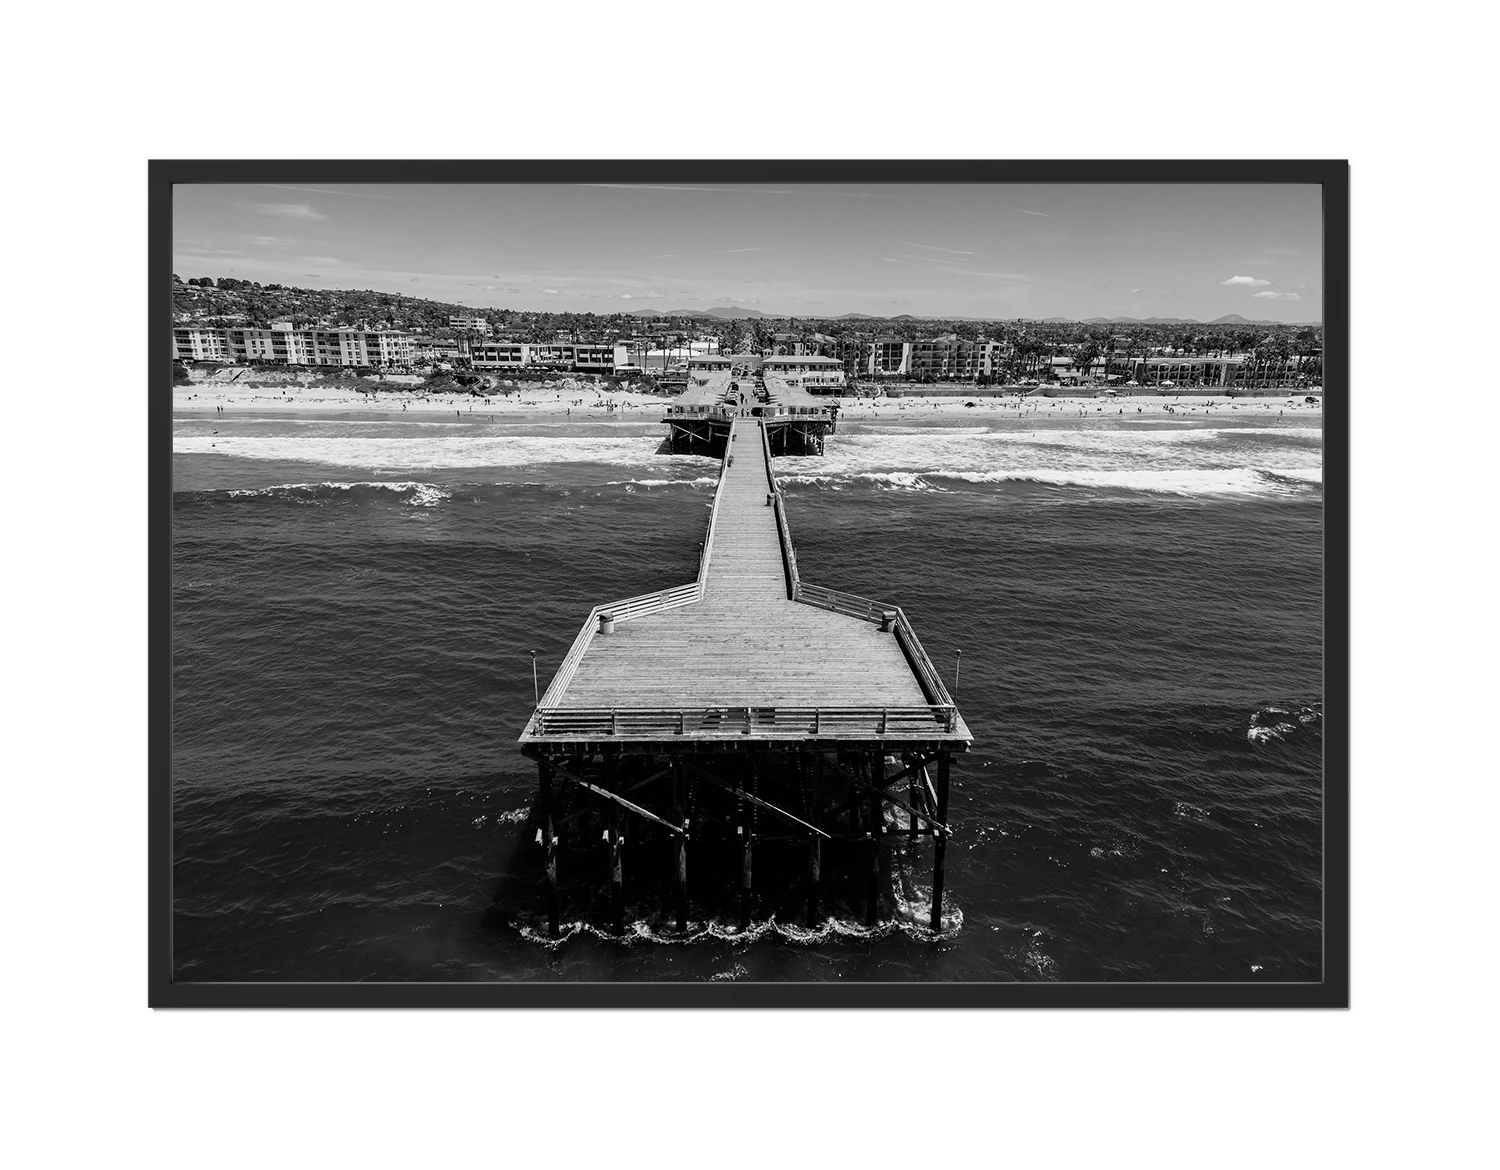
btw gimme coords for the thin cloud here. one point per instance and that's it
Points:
(714, 252)
(1023, 211)
(934, 248)
(1282, 252)
(325, 191)
(287, 210)
(1276, 296)
(1001, 275)
(933, 259)
(1248, 280)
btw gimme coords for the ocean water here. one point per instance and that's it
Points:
(1137, 602)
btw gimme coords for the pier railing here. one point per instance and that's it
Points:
(763, 722)
(875, 611)
(941, 708)
(642, 605)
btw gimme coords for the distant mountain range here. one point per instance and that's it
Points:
(738, 313)
(721, 312)
(1227, 319)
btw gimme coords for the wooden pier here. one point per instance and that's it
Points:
(746, 706)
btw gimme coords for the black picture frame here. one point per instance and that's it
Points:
(1332, 991)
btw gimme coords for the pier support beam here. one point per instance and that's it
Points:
(679, 808)
(616, 868)
(814, 844)
(745, 852)
(939, 843)
(911, 795)
(877, 824)
(549, 842)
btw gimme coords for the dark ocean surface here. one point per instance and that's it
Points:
(1138, 606)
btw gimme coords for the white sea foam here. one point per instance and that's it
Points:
(423, 495)
(429, 452)
(1182, 460)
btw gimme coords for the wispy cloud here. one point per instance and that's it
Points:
(714, 252)
(287, 210)
(1247, 280)
(935, 248)
(932, 259)
(1277, 296)
(1000, 275)
(1282, 252)
(326, 191)
(1023, 211)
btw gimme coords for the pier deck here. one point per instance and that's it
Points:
(746, 706)
(748, 650)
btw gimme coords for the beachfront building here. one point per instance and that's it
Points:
(939, 359)
(886, 359)
(953, 359)
(285, 345)
(575, 357)
(469, 324)
(200, 345)
(817, 375)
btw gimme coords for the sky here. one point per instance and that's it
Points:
(956, 250)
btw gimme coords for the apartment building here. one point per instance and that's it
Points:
(808, 371)
(942, 359)
(283, 344)
(470, 324)
(200, 345)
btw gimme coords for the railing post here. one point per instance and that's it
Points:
(817, 720)
(614, 721)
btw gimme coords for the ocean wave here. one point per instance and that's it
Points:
(900, 481)
(1183, 482)
(431, 453)
(662, 933)
(1278, 723)
(697, 481)
(422, 495)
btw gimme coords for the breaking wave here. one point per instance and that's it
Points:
(420, 495)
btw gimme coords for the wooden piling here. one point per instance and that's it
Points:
(616, 868)
(679, 805)
(814, 844)
(877, 823)
(939, 842)
(549, 842)
(911, 799)
(745, 835)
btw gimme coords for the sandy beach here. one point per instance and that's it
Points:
(569, 398)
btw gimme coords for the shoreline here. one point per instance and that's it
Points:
(588, 404)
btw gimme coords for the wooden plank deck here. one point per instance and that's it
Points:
(745, 643)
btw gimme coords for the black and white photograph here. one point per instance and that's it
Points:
(709, 581)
